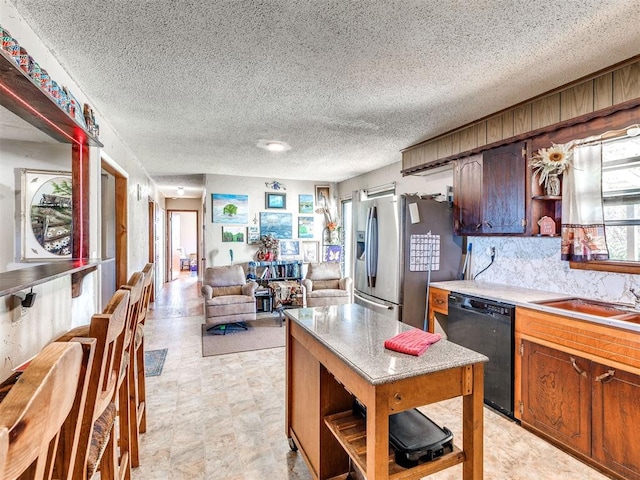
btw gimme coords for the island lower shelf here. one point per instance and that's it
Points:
(351, 432)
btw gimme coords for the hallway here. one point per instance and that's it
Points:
(222, 417)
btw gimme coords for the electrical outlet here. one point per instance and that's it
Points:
(489, 250)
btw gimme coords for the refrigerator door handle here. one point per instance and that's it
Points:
(371, 246)
(366, 300)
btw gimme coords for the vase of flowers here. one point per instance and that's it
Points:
(268, 248)
(548, 164)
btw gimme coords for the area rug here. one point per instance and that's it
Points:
(154, 361)
(262, 333)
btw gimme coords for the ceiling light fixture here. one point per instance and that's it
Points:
(181, 191)
(273, 145)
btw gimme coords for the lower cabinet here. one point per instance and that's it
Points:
(615, 420)
(588, 403)
(557, 396)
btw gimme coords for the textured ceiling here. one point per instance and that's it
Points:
(192, 86)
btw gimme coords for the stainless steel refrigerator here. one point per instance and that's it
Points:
(402, 242)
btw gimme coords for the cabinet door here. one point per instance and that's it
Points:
(556, 395)
(616, 417)
(503, 194)
(467, 203)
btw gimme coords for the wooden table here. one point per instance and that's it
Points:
(337, 353)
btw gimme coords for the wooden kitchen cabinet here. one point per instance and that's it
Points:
(578, 385)
(438, 302)
(556, 399)
(615, 420)
(467, 190)
(489, 192)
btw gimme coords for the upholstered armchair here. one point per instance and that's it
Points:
(325, 285)
(228, 298)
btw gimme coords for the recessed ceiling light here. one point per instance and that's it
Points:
(273, 145)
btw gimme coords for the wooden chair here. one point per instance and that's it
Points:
(98, 443)
(128, 411)
(148, 272)
(35, 409)
(4, 447)
(137, 385)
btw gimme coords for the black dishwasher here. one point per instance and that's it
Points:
(486, 327)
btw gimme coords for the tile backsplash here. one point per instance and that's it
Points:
(534, 262)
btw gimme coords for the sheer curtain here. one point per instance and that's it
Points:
(583, 234)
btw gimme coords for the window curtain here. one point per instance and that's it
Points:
(583, 234)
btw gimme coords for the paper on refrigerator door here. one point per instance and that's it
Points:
(424, 249)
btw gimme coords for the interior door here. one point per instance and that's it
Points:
(174, 243)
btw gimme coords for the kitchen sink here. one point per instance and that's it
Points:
(597, 308)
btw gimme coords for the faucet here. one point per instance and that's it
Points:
(637, 295)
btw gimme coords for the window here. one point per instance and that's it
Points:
(347, 229)
(621, 197)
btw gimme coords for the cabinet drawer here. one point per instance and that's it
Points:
(591, 339)
(439, 300)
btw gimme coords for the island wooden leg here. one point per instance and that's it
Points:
(473, 426)
(378, 437)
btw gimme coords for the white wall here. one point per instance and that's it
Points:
(217, 252)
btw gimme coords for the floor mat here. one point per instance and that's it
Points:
(154, 361)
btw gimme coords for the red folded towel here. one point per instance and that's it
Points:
(413, 342)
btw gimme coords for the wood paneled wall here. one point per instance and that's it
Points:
(578, 101)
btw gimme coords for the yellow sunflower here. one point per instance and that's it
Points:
(549, 161)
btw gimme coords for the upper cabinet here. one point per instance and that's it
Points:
(489, 192)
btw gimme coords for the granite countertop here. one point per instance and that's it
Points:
(529, 298)
(357, 334)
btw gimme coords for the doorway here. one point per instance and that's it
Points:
(182, 243)
(114, 224)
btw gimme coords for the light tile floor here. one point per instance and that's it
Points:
(222, 417)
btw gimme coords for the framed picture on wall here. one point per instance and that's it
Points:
(305, 203)
(233, 234)
(253, 234)
(280, 225)
(229, 208)
(305, 227)
(289, 247)
(310, 252)
(275, 200)
(322, 195)
(47, 227)
(333, 253)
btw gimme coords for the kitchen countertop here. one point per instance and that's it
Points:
(356, 335)
(529, 298)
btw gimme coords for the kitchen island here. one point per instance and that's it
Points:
(337, 353)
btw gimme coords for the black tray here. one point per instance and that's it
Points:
(414, 437)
